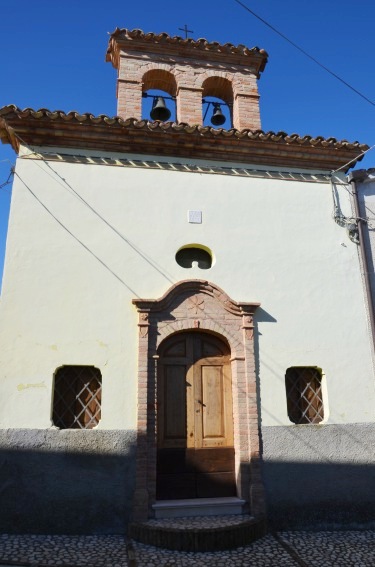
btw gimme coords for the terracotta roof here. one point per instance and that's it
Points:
(74, 130)
(201, 43)
(136, 37)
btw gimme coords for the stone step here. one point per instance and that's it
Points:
(198, 507)
(200, 533)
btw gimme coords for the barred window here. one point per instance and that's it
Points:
(77, 397)
(304, 394)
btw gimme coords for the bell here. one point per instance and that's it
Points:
(159, 110)
(218, 117)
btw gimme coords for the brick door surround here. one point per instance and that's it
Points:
(202, 306)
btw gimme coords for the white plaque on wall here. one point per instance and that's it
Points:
(195, 217)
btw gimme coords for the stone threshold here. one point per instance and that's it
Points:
(198, 507)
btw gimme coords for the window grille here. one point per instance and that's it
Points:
(77, 397)
(304, 394)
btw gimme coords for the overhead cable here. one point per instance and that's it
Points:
(305, 52)
(353, 160)
(73, 235)
(8, 181)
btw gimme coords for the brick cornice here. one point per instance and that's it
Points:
(86, 131)
(164, 44)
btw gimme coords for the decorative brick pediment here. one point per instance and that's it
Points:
(196, 304)
(189, 288)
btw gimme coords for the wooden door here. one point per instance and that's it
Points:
(195, 422)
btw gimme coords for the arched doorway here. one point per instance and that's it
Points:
(203, 309)
(195, 449)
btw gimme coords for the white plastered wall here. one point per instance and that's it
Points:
(71, 272)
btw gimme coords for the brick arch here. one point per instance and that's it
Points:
(207, 326)
(206, 332)
(200, 305)
(160, 79)
(219, 87)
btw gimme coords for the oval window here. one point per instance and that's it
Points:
(191, 256)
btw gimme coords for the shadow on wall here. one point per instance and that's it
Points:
(319, 497)
(66, 482)
(82, 482)
(320, 477)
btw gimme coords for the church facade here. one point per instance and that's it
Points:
(183, 321)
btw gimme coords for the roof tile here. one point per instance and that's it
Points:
(45, 127)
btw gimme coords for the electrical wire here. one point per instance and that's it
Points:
(337, 215)
(354, 159)
(245, 7)
(74, 236)
(88, 249)
(64, 183)
(8, 181)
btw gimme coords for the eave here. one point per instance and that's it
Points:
(44, 128)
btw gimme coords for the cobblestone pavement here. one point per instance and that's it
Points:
(327, 549)
(266, 552)
(72, 551)
(284, 549)
(294, 549)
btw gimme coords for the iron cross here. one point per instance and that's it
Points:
(186, 30)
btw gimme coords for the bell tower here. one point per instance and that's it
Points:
(187, 70)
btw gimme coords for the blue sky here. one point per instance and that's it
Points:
(52, 56)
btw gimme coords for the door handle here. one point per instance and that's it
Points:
(201, 403)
